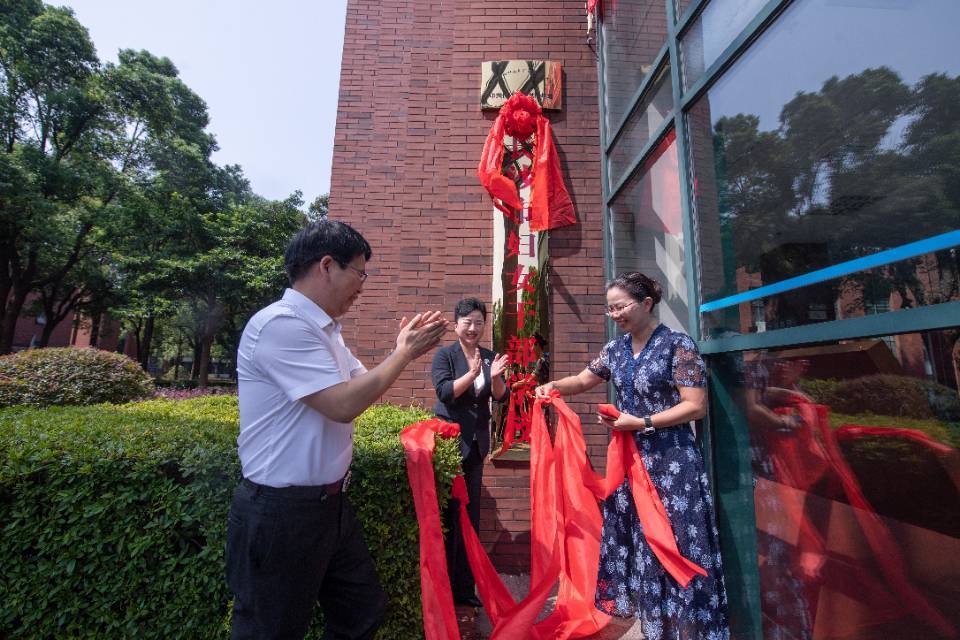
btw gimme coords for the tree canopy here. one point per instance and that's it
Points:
(109, 199)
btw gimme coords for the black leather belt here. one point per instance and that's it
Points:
(320, 491)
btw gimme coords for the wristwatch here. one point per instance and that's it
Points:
(647, 426)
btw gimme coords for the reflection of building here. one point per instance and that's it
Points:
(783, 167)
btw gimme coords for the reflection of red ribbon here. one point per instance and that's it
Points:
(881, 542)
(565, 532)
(848, 432)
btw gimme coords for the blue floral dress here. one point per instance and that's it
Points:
(631, 580)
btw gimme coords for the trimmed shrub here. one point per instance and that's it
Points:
(41, 377)
(187, 394)
(944, 401)
(821, 390)
(883, 394)
(114, 517)
(901, 396)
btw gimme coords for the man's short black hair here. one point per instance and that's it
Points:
(467, 306)
(331, 238)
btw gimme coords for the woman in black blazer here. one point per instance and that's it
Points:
(466, 376)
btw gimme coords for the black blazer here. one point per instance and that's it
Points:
(471, 411)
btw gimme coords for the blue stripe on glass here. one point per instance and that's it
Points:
(928, 245)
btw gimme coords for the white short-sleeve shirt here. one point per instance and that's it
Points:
(289, 350)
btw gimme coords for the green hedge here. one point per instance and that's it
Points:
(887, 394)
(113, 517)
(41, 377)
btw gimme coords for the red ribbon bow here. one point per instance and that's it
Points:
(550, 204)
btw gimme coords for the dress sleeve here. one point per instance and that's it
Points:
(688, 367)
(601, 364)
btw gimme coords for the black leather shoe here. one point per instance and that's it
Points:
(468, 601)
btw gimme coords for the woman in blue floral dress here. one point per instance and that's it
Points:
(659, 379)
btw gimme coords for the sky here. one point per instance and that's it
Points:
(268, 71)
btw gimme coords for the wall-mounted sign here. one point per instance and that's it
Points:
(500, 79)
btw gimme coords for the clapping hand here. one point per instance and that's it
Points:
(476, 364)
(499, 365)
(421, 333)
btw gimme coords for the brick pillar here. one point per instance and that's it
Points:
(408, 140)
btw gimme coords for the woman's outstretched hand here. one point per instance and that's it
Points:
(545, 390)
(623, 422)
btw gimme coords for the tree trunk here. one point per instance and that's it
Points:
(51, 322)
(144, 354)
(195, 368)
(210, 327)
(11, 313)
(46, 333)
(204, 372)
(95, 329)
(176, 362)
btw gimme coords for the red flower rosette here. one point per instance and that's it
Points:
(520, 114)
(549, 203)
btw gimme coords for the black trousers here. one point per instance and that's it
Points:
(290, 548)
(461, 578)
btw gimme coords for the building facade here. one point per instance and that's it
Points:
(408, 140)
(788, 170)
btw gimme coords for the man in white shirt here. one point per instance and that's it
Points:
(292, 538)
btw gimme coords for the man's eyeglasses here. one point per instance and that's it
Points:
(360, 272)
(615, 311)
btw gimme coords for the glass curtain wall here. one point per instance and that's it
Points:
(790, 170)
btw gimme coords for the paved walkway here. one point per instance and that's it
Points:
(474, 624)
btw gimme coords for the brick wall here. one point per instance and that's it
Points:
(409, 136)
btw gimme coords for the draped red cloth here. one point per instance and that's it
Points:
(623, 460)
(418, 443)
(550, 204)
(565, 532)
(521, 392)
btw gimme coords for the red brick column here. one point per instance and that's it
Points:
(409, 136)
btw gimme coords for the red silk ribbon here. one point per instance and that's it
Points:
(439, 618)
(623, 460)
(565, 532)
(550, 203)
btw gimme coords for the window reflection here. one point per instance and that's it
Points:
(829, 140)
(855, 481)
(712, 32)
(925, 280)
(647, 229)
(643, 124)
(633, 33)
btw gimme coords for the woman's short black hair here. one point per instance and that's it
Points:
(467, 306)
(638, 286)
(331, 238)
